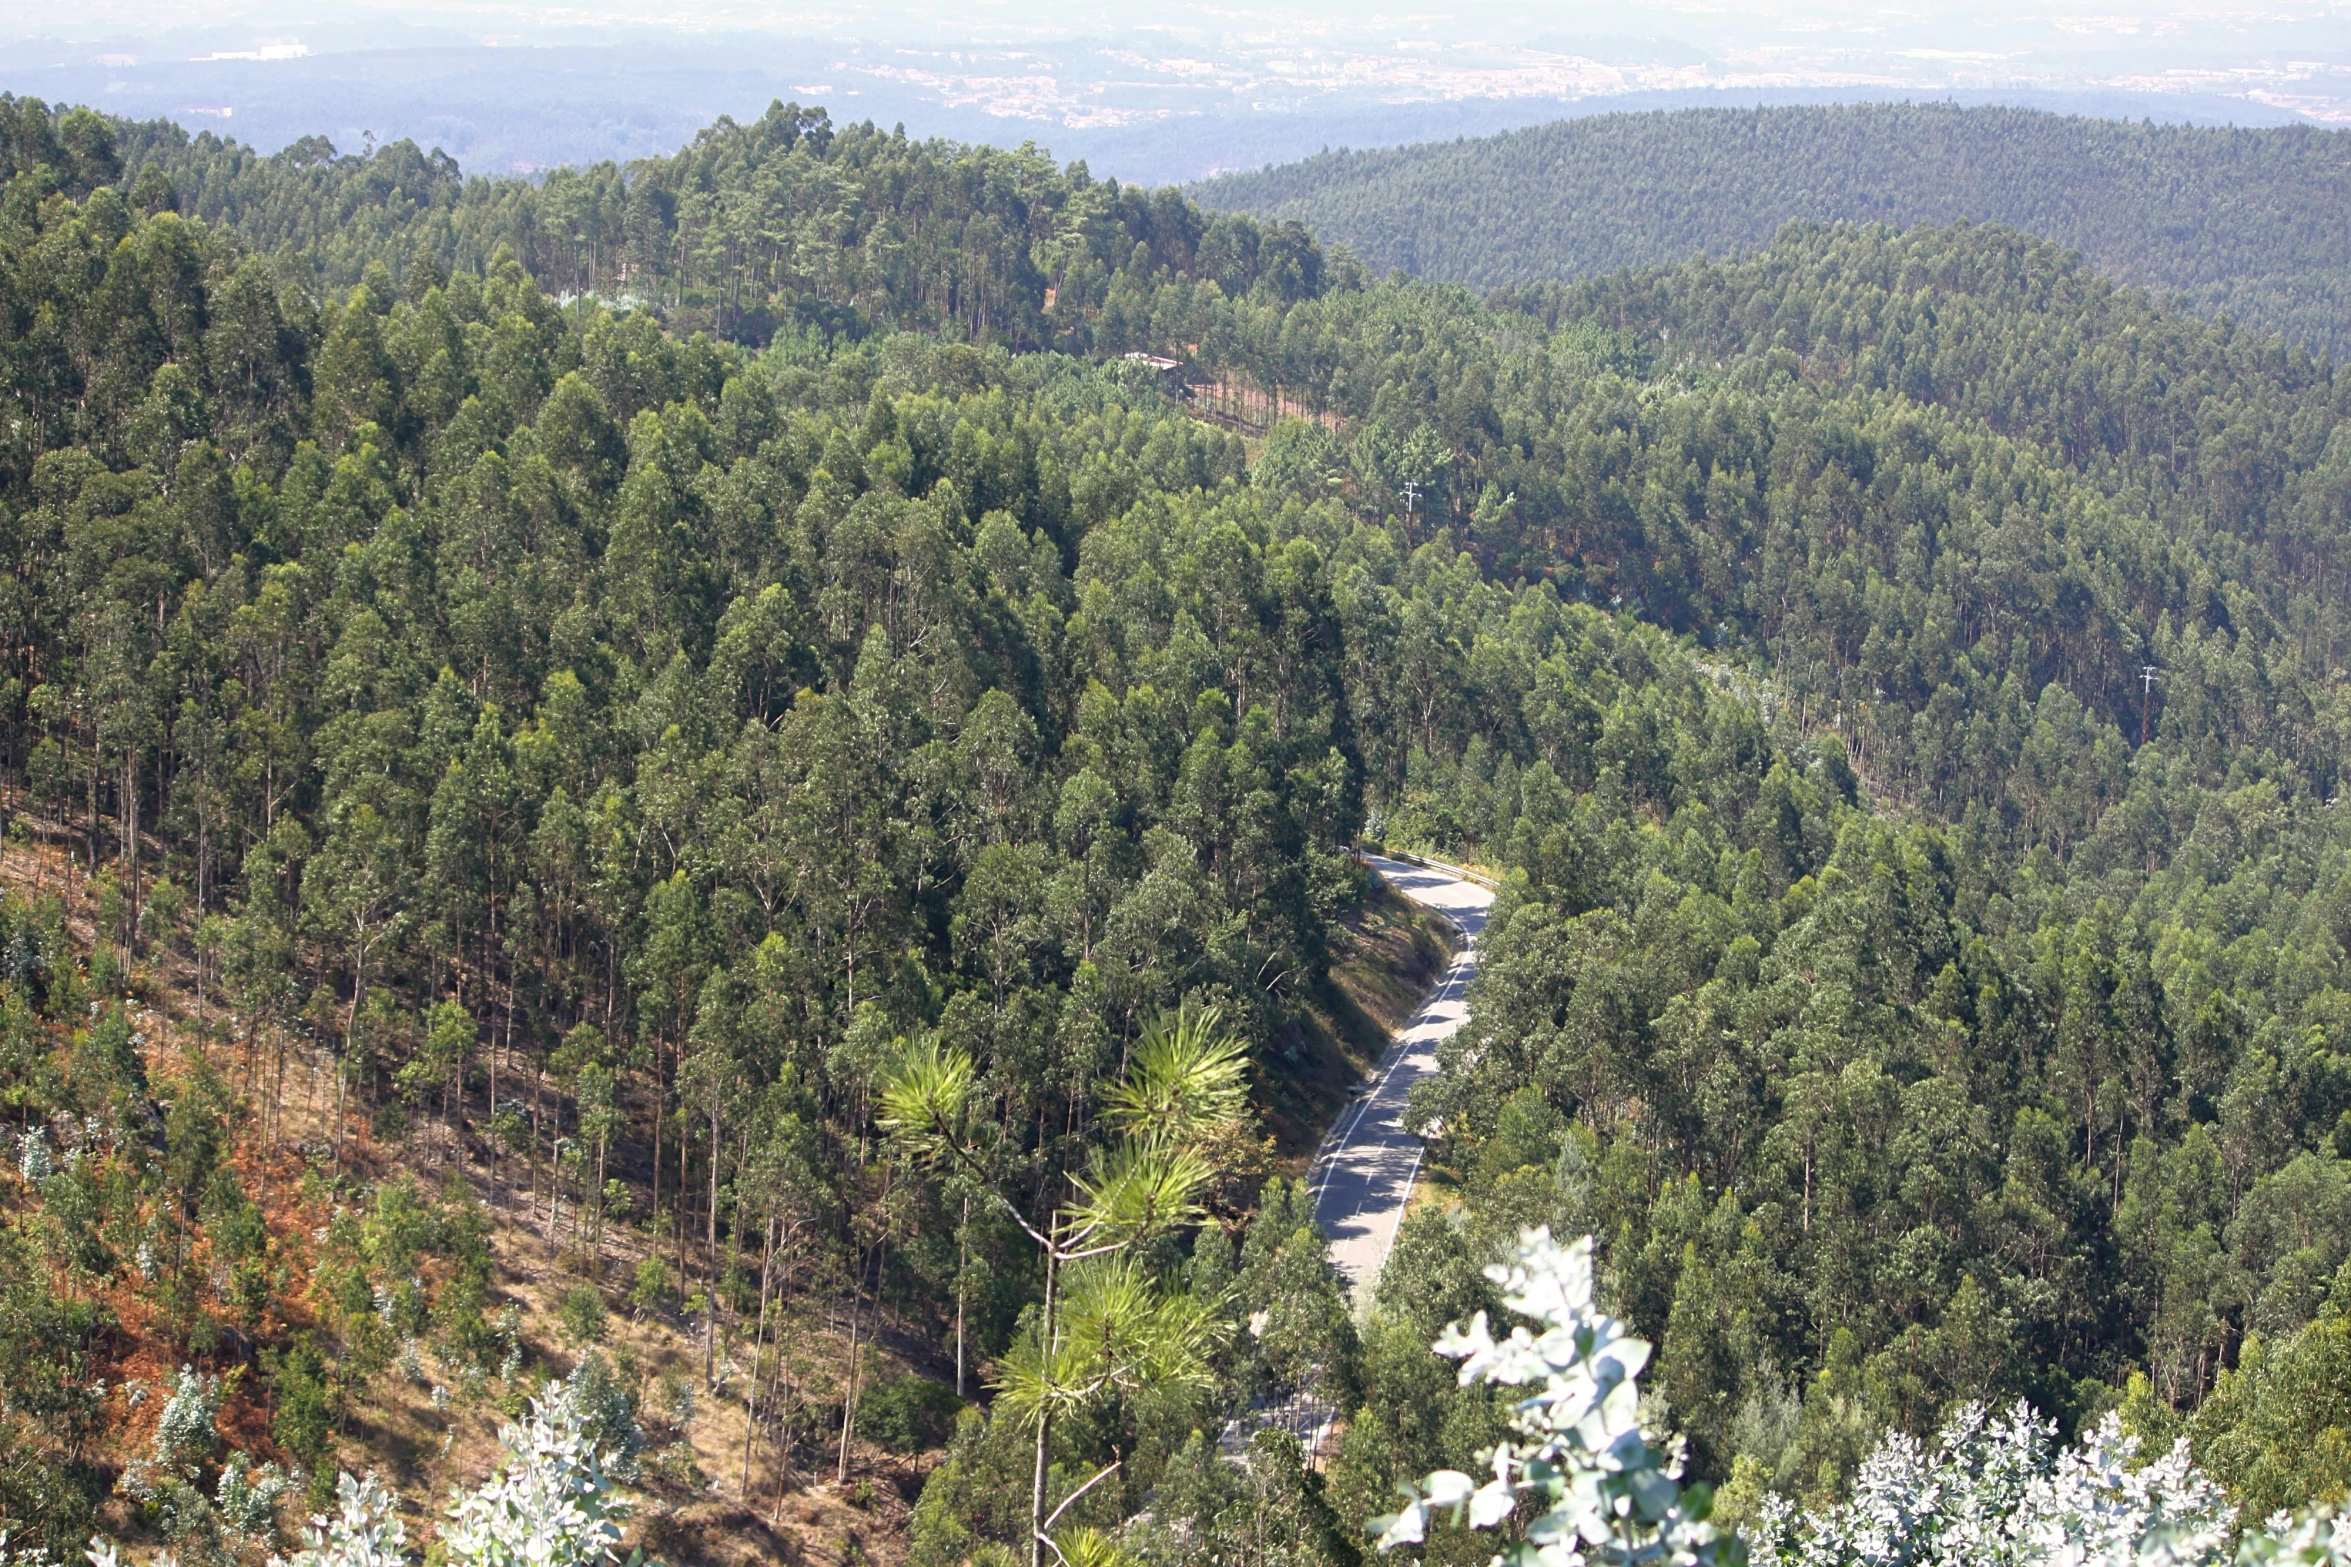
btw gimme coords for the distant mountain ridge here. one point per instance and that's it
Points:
(2253, 223)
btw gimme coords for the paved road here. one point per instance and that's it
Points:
(1364, 1172)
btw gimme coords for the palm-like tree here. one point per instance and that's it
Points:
(1105, 1326)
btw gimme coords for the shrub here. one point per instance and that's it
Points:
(598, 1401)
(1604, 1494)
(909, 1414)
(2000, 1490)
(581, 1311)
(650, 1285)
(303, 1422)
(551, 1504)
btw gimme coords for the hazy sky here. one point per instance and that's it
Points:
(1171, 88)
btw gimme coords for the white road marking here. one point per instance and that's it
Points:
(1364, 1173)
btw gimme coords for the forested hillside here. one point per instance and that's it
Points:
(824, 797)
(2252, 223)
(788, 224)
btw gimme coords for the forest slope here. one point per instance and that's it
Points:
(2256, 223)
(619, 686)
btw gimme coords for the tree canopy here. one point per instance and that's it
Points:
(2250, 222)
(602, 697)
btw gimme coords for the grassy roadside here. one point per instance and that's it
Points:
(1384, 958)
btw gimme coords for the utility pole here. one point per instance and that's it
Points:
(2147, 674)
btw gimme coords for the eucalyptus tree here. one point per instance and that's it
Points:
(1603, 1490)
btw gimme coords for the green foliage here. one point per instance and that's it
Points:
(302, 1423)
(1290, 1325)
(1112, 1343)
(50, 1480)
(858, 230)
(551, 1501)
(599, 1397)
(2231, 218)
(581, 1311)
(650, 1284)
(909, 1414)
(2276, 1431)
(978, 1495)
(1922, 1005)
(1601, 1491)
(1271, 1510)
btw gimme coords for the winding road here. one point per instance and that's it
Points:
(1363, 1173)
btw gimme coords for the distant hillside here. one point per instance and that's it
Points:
(2256, 223)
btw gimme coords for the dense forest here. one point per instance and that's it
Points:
(734, 732)
(790, 224)
(2250, 223)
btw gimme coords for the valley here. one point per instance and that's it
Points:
(701, 820)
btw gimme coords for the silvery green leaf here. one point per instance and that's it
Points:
(1490, 1504)
(1408, 1527)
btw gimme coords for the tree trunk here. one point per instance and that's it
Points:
(1044, 1416)
(603, 1147)
(660, 1097)
(343, 1068)
(710, 1314)
(758, 1341)
(856, 1319)
(962, 1261)
(685, 1198)
(849, 1387)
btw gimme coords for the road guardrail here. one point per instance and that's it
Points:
(1448, 867)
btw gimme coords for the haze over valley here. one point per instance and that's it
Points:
(1185, 91)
